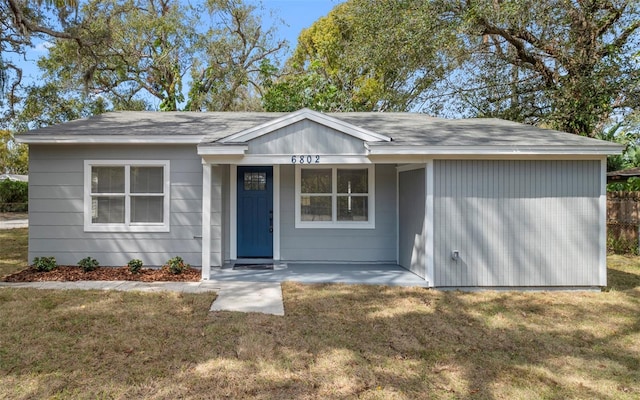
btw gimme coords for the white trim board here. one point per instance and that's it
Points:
(103, 139)
(127, 226)
(334, 223)
(206, 222)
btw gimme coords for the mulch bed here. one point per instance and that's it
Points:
(73, 273)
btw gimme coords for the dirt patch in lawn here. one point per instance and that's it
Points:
(72, 273)
(11, 216)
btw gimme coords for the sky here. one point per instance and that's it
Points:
(297, 15)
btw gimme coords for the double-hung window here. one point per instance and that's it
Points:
(126, 196)
(335, 197)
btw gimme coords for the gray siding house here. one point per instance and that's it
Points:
(460, 203)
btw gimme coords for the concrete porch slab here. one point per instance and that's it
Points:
(368, 274)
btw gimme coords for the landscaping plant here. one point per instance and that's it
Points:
(135, 266)
(176, 265)
(88, 264)
(45, 264)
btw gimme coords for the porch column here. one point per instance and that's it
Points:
(211, 218)
(206, 221)
(216, 216)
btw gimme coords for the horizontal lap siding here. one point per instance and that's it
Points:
(56, 202)
(517, 223)
(349, 245)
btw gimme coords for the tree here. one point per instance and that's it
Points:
(569, 65)
(13, 156)
(48, 104)
(147, 47)
(565, 64)
(226, 73)
(21, 22)
(340, 53)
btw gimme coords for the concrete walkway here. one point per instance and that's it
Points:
(265, 297)
(14, 223)
(254, 290)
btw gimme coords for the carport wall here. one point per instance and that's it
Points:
(512, 223)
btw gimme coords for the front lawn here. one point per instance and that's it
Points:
(336, 341)
(13, 250)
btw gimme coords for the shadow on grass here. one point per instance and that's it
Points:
(336, 341)
(621, 280)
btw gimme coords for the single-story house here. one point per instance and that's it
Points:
(461, 203)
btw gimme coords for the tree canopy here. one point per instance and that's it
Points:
(139, 54)
(569, 65)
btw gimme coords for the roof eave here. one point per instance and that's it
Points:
(94, 139)
(494, 150)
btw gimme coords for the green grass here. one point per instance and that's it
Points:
(335, 341)
(13, 250)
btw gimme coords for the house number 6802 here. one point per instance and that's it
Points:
(305, 159)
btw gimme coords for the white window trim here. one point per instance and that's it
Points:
(335, 224)
(127, 226)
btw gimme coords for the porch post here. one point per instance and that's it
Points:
(429, 224)
(206, 221)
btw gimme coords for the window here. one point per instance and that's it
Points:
(255, 181)
(126, 196)
(335, 197)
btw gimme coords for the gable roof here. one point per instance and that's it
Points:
(363, 134)
(382, 133)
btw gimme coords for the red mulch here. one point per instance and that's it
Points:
(71, 273)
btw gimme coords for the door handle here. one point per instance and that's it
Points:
(270, 221)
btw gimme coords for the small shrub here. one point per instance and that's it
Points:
(45, 264)
(176, 265)
(135, 266)
(622, 245)
(14, 196)
(88, 264)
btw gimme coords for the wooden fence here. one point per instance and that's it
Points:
(623, 222)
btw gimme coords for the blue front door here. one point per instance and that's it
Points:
(255, 212)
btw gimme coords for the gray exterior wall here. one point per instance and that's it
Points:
(411, 223)
(56, 201)
(517, 223)
(350, 245)
(306, 137)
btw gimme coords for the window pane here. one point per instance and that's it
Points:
(315, 180)
(107, 179)
(315, 208)
(147, 179)
(353, 181)
(353, 208)
(147, 208)
(255, 181)
(107, 210)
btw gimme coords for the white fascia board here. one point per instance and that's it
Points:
(226, 150)
(492, 150)
(101, 139)
(284, 159)
(263, 129)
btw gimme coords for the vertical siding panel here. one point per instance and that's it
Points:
(411, 221)
(517, 223)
